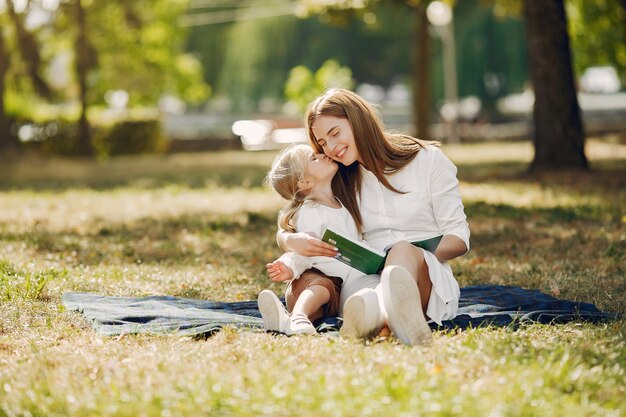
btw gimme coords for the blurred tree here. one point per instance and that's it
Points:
(302, 86)
(138, 48)
(250, 56)
(256, 60)
(135, 47)
(7, 143)
(339, 11)
(598, 33)
(85, 61)
(30, 65)
(559, 136)
(29, 50)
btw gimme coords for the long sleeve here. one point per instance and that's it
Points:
(446, 199)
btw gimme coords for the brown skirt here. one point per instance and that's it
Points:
(309, 278)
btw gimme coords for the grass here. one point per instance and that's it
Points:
(202, 226)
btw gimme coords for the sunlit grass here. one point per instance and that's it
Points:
(202, 226)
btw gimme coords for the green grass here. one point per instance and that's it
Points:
(202, 226)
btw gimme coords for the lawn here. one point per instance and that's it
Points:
(202, 226)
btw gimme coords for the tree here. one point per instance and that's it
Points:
(84, 62)
(303, 86)
(559, 135)
(598, 33)
(6, 141)
(421, 52)
(28, 50)
(421, 67)
(117, 45)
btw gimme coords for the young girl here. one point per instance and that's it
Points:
(304, 179)
(399, 189)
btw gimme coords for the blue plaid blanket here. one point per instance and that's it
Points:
(479, 306)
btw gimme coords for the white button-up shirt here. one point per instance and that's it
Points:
(431, 205)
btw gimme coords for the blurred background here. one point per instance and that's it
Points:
(104, 78)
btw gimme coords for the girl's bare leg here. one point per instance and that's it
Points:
(311, 301)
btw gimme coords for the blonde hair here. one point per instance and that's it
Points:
(288, 168)
(380, 152)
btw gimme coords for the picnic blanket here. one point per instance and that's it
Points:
(478, 306)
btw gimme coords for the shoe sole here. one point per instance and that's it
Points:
(401, 298)
(355, 317)
(272, 310)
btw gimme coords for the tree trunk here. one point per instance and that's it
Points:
(421, 68)
(7, 143)
(559, 135)
(29, 50)
(82, 67)
(623, 16)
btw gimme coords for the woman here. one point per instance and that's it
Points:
(399, 189)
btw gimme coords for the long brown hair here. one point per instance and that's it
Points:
(381, 152)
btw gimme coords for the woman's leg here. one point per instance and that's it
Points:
(406, 288)
(411, 258)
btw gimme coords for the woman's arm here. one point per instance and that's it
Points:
(304, 244)
(450, 247)
(448, 209)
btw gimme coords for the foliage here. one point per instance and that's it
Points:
(598, 32)
(596, 28)
(131, 137)
(303, 86)
(255, 60)
(123, 137)
(135, 46)
(138, 46)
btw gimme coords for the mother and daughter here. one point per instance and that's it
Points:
(386, 189)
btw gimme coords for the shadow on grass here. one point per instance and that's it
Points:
(592, 213)
(185, 240)
(247, 169)
(608, 173)
(227, 177)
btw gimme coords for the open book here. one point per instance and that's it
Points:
(366, 259)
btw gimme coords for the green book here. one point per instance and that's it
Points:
(365, 258)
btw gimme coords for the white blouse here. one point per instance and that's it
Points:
(430, 207)
(314, 218)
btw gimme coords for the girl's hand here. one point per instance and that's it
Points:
(279, 272)
(308, 245)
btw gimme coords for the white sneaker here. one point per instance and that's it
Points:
(300, 324)
(401, 299)
(361, 315)
(275, 316)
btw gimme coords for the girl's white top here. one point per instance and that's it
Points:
(431, 206)
(314, 218)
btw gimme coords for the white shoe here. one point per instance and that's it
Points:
(401, 299)
(300, 324)
(275, 316)
(361, 315)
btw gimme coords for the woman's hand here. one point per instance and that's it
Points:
(306, 245)
(279, 272)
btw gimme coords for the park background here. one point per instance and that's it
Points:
(120, 174)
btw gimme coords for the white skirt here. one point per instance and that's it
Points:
(444, 297)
